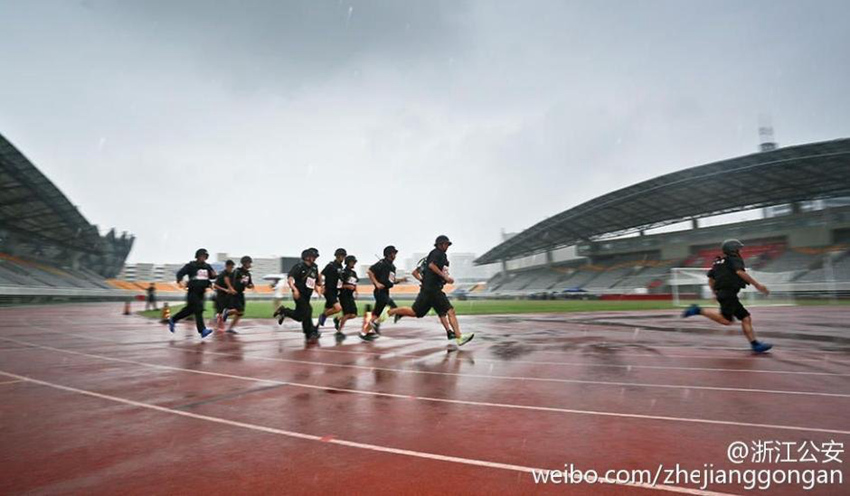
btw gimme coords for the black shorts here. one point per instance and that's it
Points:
(382, 299)
(237, 301)
(331, 297)
(431, 298)
(222, 301)
(731, 307)
(349, 306)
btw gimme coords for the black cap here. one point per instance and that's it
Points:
(389, 249)
(442, 239)
(246, 259)
(731, 246)
(340, 252)
(229, 263)
(350, 259)
(201, 251)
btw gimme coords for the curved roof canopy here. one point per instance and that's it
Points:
(33, 207)
(796, 173)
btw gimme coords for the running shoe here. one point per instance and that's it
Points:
(368, 336)
(322, 319)
(465, 338)
(339, 336)
(691, 311)
(759, 347)
(336, 323)
(206, 332)
(171, 325)
(224, 315)
(232, 331)
(313, 337)
(376, 326)
(396, 318)
(450, 335)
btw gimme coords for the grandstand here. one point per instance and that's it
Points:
(627, 241)
(48, 250)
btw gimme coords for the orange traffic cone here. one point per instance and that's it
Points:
(127, 307)
(166, 312)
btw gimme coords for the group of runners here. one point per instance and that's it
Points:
(337, 283)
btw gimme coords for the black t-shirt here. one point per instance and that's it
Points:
(725, 273)
(220, 281)
(200, 274)
(349, 276)
(384, 271)
(332, 274)
(430, 280)
(305, 277)
(242, 279)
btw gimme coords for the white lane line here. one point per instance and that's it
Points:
(179, 348)
(520, 378)
(602, 365)
(10, 382)
(446, 400)
(342, 442)
(572, 364)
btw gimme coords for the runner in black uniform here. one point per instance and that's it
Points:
(303, 279)
(726, 277)
(382, 275)
(332, 282)
(346, 296)
(200, 273)
(241, 281)
(151, 302)
(224, 292)
(435, 275)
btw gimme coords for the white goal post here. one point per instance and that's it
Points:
(690, 285)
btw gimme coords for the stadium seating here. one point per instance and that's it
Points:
(17, 271)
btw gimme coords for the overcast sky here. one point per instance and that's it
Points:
(264, 127)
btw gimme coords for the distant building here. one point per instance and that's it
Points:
(261, 266)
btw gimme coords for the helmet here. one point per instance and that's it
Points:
(442, 239)
(201, 252)
(731, 246)
(389, 250)
(314, 251)
(340, 252)
(350, 259)
(246, 259)
(307, 253)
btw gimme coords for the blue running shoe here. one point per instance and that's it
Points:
(206, 332)
(759, 347)
(171, 325)
(322, 319)
(691, 311)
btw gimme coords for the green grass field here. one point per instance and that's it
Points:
(264, 309)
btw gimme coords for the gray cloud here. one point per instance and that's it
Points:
(293, 125)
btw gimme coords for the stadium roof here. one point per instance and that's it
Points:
(791, 174)
(33, 207)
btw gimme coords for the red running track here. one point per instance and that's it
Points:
(94, 402)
